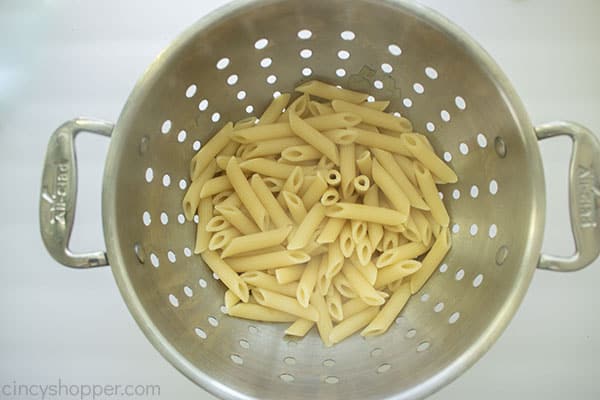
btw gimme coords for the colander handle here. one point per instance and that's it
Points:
(59, 193)
(584, 195)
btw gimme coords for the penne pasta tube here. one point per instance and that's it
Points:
(430, 193)
(367, 127)
(191, 200)
(374, 230)
(376, 105)
(292, 184)
(404, 252)
(365, 163)
(299, 328)
(261, 262)
(256, 241)
(430, 261)
(359, 230)
(314, 192)
(317, 108)
(257, 312)
(232, 200)
(205, 212)
(308, 281)
(334, 304)
(421, 225)
(230, 299)
(388, 313)
(265, 196)
(246, 194)
(313, 137)
(388, 163)
(361, 212)
(333, 178)
(361, 286)
(237, 219)
(325, 163)
(345, 241)
(347, 170)
(226, 274)
(390, 188)
(389, 240)
(331, 230)
(341, 136)
(296, 207)
(335, 260)
(395, 272)
(331, 92)
(330, 197)
(364, 252)
(293, 273)
(343, 286)
(245, 123)
(361, 184)
(379, 141)
(217, 223)
(268, 168)
(323, 281)
(209, 151)
(284, 303)
(230, 149)
(354, 306)
(428, 158)
(222, 196)
(221, 239)
(214, 186)
(352, 325)
(324, 324)
(373, 117)
(263, 280)
(307, 227)
(269, 147)
(274, 110)
(301, 153)
(407, 167)
(273, 184)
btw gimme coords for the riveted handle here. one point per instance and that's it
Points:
(59, 193)
(584, 195)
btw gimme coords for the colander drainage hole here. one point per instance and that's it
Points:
(252, 329)
(236, 359)
(304, 34)
(430, 126)
(249, 109)
(196, 145)
(407, 102)
(445, 115)
(182, 184)
(376, 352)
(387, 68)
(287, 378)
(478, 280)
(203, 105)
(139, 253)
(454, 317)
(261, 44)
(173, 300)
(461, 104)
(191, 91)
(332, 380)
(343, 54)
(289, 361)
(459, 274)
(394, 50)
(425, 297)
(164, 218)
(266, 62)
(418, 88)
(171, 257)
(347, 35)
(187, 252)
(383, 368)
(181, 136)
(493, 187)
(423, 346)
(481, 140)
(463, 148)
(340, 72)
(149, 175)
(166, 180)
(493, 231)
(411, 333)
(188, 291)
(443, 268)
(431, 73)
(202, 283)
(146, 219)
(438, 307)
(201, 334)
(154, 260)
(473, 229)
(166, 127)
(213, 321)
(244, 344)
(222, 63)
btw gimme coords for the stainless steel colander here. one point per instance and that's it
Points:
(228, 66)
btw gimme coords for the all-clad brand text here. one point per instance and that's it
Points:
(58, 207)
(586, 197)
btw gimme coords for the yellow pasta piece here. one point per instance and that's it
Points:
(324, 324)
(246, 194)
(421, 225)
(230, 299)
(268, 167)
(331, 230)
(352, 325)
(209, 150)
(389, 240)
(308, 280)
(295, 205)
(390, 188)
(430, 193)
(334, 304)
(226, 274)
(317, 108)
(330, 197)
(261, 262)
(221, 239)
(335, 260)
(226, 197)
(364, 251)
(230, 149)
(323, 281)
(217, 223)
(333, 178)
(257, 312)
(353, 306)
(205, 213)
(347, 170)
(276, 212)
(245, 123)
(431, 261)
(341, 136)
(284, 303)
(374, 230)
(307, 227)
(313, 137)
(292, 184)
(376, 105)
(396, 272)
(263, 280)
(330, 92)
(379, 141)
(345, 240)
(401, 253)
(255, 241)
(214, 186)
(343, 286)
(384, 319)
(361, 286)
(274, 109)
(373, 117)
(269, 147)
(407, 167)
(273, 184)
(388, 162)
(361, 184)
(299, 328)
(359, 230)
(428, 158)
(361, 212)
(290, 274)
(191, 200)
(237, 219)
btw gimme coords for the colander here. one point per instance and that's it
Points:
(228, 66)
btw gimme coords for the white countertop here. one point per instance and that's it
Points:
(64, 58)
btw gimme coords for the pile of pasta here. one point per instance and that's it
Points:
(320, 213)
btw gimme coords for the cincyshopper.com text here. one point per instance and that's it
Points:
(85, 391)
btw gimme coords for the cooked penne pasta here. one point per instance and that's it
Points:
(270, 147)
(343, 286)
(341, 136)
(421, 225)
(335, 260)
(209, 151)
(361, 184)
(430, 193)
(376, 105)
(214, 186)
(331, 230)
(293, 273)
(226, 274)
(245, 123)
(308, 281)
(401, 253)
(222, 196)
(333, 178)
(330, 92)
(317, 108)
(374, 230)
(301, 153)
(257, 312)
(323, 281)
(390, 240)
(274, 110)
(284, 303)
(364, 252)
(205, 212)
(299, 328)
(263, 280)
(313, 137)
(221, 239)
(347, 170)
(261, 262)
(330, 197)
(379, 141)
(237, 219)
(334, 304)
(359, 230)
(431, 261)
(217, 223)
(296, 207)
(352, 324)
(276, 212)
(230, 149)
(396, 272)
(246, 194)
(428, 158)
(361, 286)
(362, 212)
(230, 299)
(384, 319)
(314, 192)
(307, 227)
(191, 200)
(324, 324)
(373, 117)
(255, 241)
(390, 188)
(345, 240)
(353, 306)
(364, 163)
